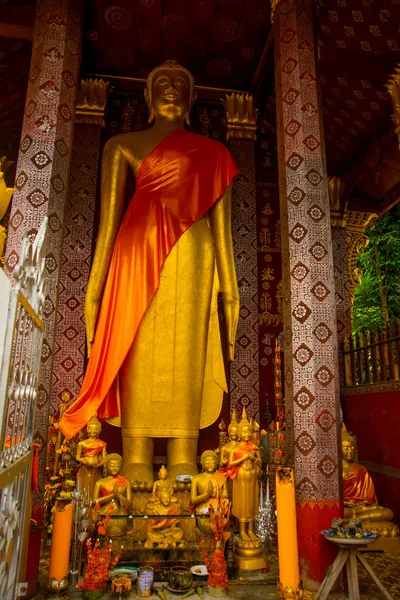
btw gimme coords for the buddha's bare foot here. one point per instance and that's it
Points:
(181, 469)
(139, 472)
(244, 537)
(253, 536)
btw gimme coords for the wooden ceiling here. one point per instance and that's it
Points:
(227, 44)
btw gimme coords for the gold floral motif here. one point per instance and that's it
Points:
(241, 116)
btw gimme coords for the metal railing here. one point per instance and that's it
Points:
(23, 335)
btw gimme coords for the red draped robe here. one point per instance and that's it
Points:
(177, 183)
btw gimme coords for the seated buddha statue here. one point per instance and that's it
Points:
(164, 533)
(162, 484)
(116, 489)
(90, 453)
(359, 493)
(206, 487)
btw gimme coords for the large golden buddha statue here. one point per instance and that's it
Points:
(359, 493)
(156, 364)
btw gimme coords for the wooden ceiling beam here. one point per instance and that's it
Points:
(390, 199)
(16, 22)
(367, 162)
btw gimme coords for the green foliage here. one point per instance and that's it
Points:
(379, 264)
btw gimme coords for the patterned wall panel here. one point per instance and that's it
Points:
(244, 371)
(269, 262)
(43, 166)
(69, 347)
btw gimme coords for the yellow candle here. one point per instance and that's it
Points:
(60, 544)
(289, 576)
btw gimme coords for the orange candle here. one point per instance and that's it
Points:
(289, 577)
(60, 544)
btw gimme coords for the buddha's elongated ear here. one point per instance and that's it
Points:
(147, 97)
(186, 119)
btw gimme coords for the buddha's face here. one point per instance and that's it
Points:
(165, 498)
(233, 433)
(348, 450)
(245, 433)
(209, 464)
(170, 94)
(113, 467)
(93, 430)
(162, 474)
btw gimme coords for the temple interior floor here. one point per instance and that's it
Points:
(262, 586)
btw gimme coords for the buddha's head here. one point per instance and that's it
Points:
(162, 473)
(209, 461)
(113, 464)
(93, 428)
(349, 445)
(165, 497)
(245, 428)
(233, 429)
(169, 93)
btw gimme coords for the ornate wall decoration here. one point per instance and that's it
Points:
(269, 263)
(244, 371)
(393, 87)
(356, 241)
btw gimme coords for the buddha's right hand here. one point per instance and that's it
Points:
(92, 308)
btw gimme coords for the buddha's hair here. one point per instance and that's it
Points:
(208, 453)
(94, 421)
(244, 422)
(112, 456)
(346, 437)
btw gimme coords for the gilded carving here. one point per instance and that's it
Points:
(91, 101)
(241, 116)
(5, 198)
(356, 241)
(336, 189)
(393, 87)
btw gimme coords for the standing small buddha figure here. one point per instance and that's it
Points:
(233, 435)
(90, 453)
(359, 492)
(244, 468)
(116, 489)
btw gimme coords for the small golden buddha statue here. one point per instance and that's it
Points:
(116, 489)
(162, 484)
(90, 453)
(206, 487)
(154, 284)
(164, 533)
(244, 468)
(359, 493)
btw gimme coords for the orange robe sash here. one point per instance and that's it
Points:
(108, 487)
(177, 183)
(358, 486)
(95, 448)
(239, 452)
(164, 523)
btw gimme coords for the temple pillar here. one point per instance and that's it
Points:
(241, 135)
(41, 187)
(70, 341)
(309, 311)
